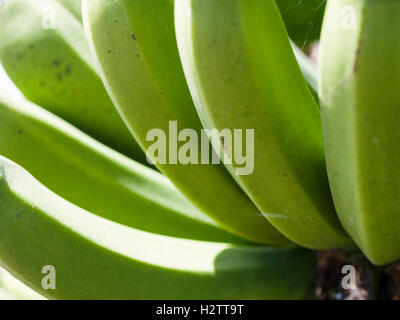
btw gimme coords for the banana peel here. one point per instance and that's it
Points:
(359, 77)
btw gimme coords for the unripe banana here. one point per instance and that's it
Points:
(97, 178)
(243, 75)
(44, 51)
(88, 257)
(134, 42)
(360, 81)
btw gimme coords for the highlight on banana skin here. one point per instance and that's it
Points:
(199, 150)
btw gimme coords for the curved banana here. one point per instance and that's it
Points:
(243, 75)
(87, 257)
(44, 51)
(134, 42)
(96, 177)
(360, 77)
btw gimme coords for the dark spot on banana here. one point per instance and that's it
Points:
(116, 21)
(133, 36)
(109, 51)
(357, 58)
(68, 70)
(20, 131)
(336, 174)
(56, 62)
(59, 77)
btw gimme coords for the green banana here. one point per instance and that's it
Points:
(303, 19)
(39, 229)
(54, 68)
(243, 74)
(96, 177)
(134, 43)
(360, 77)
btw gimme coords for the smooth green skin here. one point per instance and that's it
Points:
(360, 77)
(144, 76)
(74, 6)
(97, 259)
(243, 75)
(97, 178)
(303, 19)
(54, 68)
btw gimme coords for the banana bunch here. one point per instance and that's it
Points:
(110, 83)
(162, 100)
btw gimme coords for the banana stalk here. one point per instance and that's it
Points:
(360, 77)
